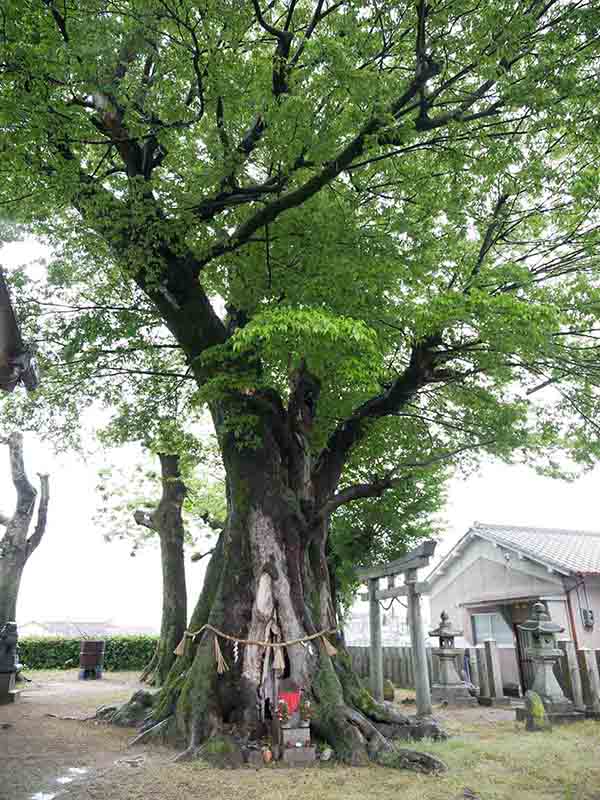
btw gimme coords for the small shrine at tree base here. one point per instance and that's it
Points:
(291, 728)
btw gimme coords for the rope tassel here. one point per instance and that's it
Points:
(329, 648)
(278, 659)
(222, 665)
(180, 649)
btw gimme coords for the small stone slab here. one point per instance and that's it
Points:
(299, 756)
(254, 758)
(9, 697)
(453, 695)
(494, 701)
(558, 717)
(294, 735)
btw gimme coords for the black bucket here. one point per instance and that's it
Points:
(91, 659)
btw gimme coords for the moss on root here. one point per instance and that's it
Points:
(330, 718)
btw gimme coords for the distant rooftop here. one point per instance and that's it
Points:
(78, 629)
(571, 551)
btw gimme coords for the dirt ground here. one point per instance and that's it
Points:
(43, 757)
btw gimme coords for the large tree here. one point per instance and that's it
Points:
(370, 228)
(17, 544)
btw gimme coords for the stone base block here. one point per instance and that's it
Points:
(494, 701)
(8, 692)
(90, 674)
(9, 697)
(300, 756)
(294, 735)
(554, 717)
(254, 758)
(589, 714)
(453, 695)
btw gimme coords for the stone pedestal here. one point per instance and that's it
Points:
(450, 687)
(8, 663)
(8, 692)
(299, 756)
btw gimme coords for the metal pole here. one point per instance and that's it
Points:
(376, 660)
(417, 638)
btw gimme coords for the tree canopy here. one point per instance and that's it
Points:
(369, 229)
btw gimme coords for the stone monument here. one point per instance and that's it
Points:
(545, 653)
(450, 687)
(8, 663)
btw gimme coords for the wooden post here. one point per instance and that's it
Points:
(482, 668)
(417, 638)
(593, 678)
(568, 648)
(493, 665)
(376, 656)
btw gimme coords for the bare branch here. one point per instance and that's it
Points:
(61, 22)
(42, 516)
(378, 486)
(212, 522)
(199, 556)
(26, 493)
(145, 519)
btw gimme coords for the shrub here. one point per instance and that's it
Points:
(121, 652)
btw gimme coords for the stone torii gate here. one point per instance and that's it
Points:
(412, 590)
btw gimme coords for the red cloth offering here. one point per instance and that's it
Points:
(292, 699)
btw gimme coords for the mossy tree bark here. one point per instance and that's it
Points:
(16, 545)
(270, 566)
(167, 521)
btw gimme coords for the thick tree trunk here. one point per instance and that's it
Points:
(269, 571)
(15, 546)
(11, 570)
(168, 523)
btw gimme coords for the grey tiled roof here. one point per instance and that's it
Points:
(570, 551)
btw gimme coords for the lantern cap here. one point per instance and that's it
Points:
(540, 623)
(445, 628)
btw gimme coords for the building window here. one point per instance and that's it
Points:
(491, 626)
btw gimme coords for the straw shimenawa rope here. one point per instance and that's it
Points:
(279, 663)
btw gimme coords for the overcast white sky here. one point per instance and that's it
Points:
(76, 575)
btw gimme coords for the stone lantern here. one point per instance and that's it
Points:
(545, 654)
(8, 663)
(450, 687)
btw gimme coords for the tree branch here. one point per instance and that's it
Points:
(378, 486)
(26, 493)
(42, 516)
(329, 465)
(145, 519)
(61, 22)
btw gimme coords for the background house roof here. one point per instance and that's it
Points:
(78, 629)
(567, 550)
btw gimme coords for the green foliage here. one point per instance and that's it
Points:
(418, 225)
(121, 653)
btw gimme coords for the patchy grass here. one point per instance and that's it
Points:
(489, 753)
